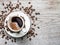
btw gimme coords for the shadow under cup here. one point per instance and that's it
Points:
(16, 23)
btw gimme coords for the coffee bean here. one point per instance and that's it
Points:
(36, 34)
(27, 36)
(8, 29)
(2, 12)
(33, 29)
(10, 2)
(20, 8)
(7, 37)
(12, 40)
(33, 9)
(38, 27)
(30, 6)
(5, 42)
(29, 2)
(33, 35)
(29, 32)
(19, 3)
(34, 25)
(3, 4)
(30, 39)
(37, 13)
(35, 18)
(3, 35)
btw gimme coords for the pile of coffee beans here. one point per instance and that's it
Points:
(28, 10)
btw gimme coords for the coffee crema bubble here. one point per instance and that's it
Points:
(16, 23)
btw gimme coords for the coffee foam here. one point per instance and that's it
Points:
(14, 26)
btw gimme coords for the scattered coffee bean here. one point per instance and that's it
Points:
(38, 27)
(17, 5)
(35, 18)
(37, 13)
(33, 35)
(29, 32)
(2, 32)
(3, 4)
(3, 35)
(27, 36)
(10, 2)
(20, 9)
(7, 37)
(30, 7)
(34, 25)
(29, 2)
(33, 9)
(5, 42)
(12, 40)
(36, 34)
(33, 29)
(2, 12)
(30, 39)
(23, 7)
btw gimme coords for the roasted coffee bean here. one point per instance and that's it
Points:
(37, 13)
(12, 40)
(38, 27)
(17, 5)
(29, 2)
(3, 4)
(33, 35)
(30, 39)
(7, 37)
(5, 42)
(34, 25)
(20, 8)
(3, 35)
(36, 34)
(35, 18)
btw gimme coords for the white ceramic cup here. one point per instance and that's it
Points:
(9, 21)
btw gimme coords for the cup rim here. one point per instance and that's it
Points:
(18, 29)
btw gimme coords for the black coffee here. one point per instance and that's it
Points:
(18, 21)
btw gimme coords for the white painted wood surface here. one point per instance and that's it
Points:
(49, 22)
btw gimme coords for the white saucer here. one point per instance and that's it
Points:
(24, 30)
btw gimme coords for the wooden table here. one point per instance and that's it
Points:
(48, 20)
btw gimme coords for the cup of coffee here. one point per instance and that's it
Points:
(15, 23)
